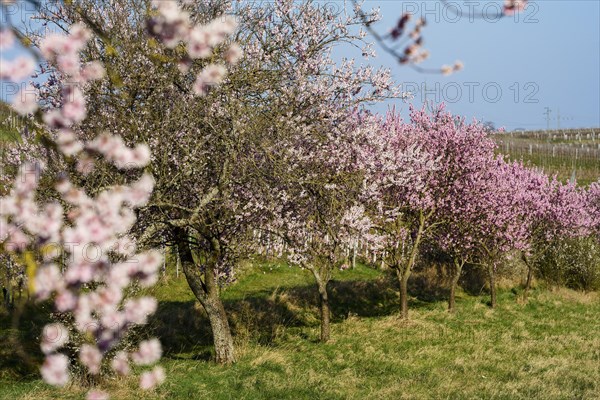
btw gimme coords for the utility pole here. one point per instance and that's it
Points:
(547, 114)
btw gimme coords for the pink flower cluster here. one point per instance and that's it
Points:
(114, 150)
(172, 26)
(594, 207)
(94, 229)
(63, 52)
(77, 249)
(17, 69)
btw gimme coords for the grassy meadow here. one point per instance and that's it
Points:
(545, 348)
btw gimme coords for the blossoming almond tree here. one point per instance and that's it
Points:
(500, 230)
(461, 209)
(77, 247)
(172, 68)
(215, 156)
(551, 210)
(411, 197)
(317, 208)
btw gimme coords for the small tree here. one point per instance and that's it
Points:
(318, 213)
(553, 211)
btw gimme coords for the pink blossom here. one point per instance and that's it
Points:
(199, 43)
(7, 38)
(93, 70)
(149, 352)
(47, 280)
(54, 336)
(55, 119)
(55, 370)
(151, 379)
(16, 241)
(212, 74)
(120, 363)
(514, 6)
(91, 357)
(137, 310)
(68, 143)
(140, 191)
(233, 54)
(65, 301)
(25, 102)
(147, 267)
(74, 109)
(97, 395)
(113, 320)
(68, 64)
(114, 149)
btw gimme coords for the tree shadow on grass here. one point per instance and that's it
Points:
(20, 354)
(262, 317)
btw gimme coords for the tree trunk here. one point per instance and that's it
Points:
(452, 298)
(322, 276)
(219, 325)
(529, 276)
(529, 279)
(404, 297)
(403, 282)
(325, 313)
(207, 293)
(492, 277)
(403, 272)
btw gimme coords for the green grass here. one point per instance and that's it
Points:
(546, 348)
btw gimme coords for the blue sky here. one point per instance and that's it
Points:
(515, 67)
(550, 53)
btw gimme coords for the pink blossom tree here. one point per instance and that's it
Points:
(552, 210)
(415, 198)
(317, 208)
(500, 229)
(460, 212)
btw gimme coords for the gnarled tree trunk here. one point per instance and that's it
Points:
(204, 287)
(223, 341)
(325, 313)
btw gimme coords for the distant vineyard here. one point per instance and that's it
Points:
(570, 153)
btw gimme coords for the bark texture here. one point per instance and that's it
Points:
(205, 288)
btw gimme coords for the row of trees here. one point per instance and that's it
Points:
(283, 145)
